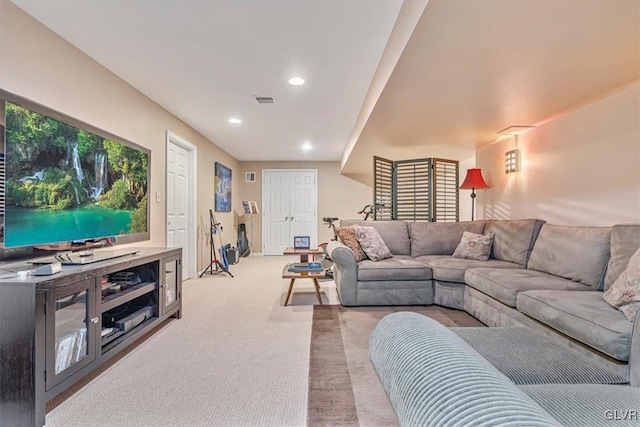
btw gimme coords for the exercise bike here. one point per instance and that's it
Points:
(325, 260)
(367, 211)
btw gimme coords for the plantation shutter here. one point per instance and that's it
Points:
(412, 190)
(445, 191)
(416, 190)
(382, 189)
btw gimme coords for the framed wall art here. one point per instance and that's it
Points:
(222, 185)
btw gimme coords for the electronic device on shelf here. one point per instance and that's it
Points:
(110, 289)
(106, 332)
(301, 242)
(48, 269)
(134, 319)
(125, 278)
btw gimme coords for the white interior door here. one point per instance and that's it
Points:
(275, 208)
(303, 205)
(178, 189)
(289, 199)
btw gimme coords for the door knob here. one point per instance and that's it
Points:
(94, 320)
(286, 218)
(291, 218)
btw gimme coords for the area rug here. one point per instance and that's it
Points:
(344, 390)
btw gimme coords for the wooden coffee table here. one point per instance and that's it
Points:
(313, 275)
(304, 253)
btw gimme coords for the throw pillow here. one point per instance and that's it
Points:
(474, 246)
(624, 294)
(372, 243)
(347, 236)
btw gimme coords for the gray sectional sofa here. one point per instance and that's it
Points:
(550, 278)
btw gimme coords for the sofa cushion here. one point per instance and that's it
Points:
(450, 269)
(396, 268)
(347, 236)
(372, 243)
(584, 316)
(394, 234)
(439, 238)
(514, 239)
(624, 294)
(474, 246)
(575, 253)
(505, 284)
(527, 356)
(625, 240)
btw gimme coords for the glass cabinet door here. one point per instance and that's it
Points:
(171, 285)
(71, 325)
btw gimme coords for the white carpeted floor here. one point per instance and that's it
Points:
(237, 357)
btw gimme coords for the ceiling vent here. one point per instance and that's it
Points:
(265, 99)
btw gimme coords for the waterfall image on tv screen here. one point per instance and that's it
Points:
(63, 183)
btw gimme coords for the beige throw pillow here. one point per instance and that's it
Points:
(474, 246)
(372, 243)
(347, 236)
(624, 294)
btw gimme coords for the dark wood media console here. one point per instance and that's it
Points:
(56, 329)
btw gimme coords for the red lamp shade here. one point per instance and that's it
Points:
(473, 180)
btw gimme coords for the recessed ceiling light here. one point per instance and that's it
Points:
(296, 81)
(307, 146)
(235, 121)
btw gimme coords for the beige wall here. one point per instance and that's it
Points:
(582, 168)
(38, 65)
(338, 196)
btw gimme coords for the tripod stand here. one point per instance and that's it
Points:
(221, 265)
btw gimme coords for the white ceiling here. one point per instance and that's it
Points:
(469, 69)
(205, 60)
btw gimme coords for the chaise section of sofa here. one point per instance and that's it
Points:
(561, 293)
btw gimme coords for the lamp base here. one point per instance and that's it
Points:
(473, 202)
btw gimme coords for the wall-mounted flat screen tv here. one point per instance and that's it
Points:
(65, 181)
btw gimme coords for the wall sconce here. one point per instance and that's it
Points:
(512, 161)
(512, 158)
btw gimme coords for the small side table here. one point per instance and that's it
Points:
(293, 275)
(304, 253)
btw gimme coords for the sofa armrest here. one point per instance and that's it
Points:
(634, 356)
(345, 272)
(433, 378)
